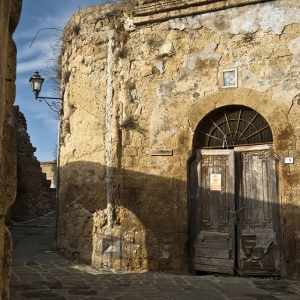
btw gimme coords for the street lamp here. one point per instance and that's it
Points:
(36, 82)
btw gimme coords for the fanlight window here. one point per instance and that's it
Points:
(231, 126)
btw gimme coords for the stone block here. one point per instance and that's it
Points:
(167, 49)
(130, 151)
(146, 70)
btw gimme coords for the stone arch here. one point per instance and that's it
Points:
(275, 112)
(230, 126)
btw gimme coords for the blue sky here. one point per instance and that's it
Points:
(38, 14)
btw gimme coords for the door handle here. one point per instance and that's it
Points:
(235, 212)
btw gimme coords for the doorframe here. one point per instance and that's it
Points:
(192, 161)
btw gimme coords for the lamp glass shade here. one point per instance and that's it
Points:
(36, 82)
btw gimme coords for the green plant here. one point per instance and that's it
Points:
(76, 29)
(18, 219)
(129, 124)
(130, 85)
(162, 55)
(122, 36)
(53, 69)
(154, 42)
(115, 11)
(72, 106)
(122, 53)
(128, 5)
(248, 38)
(66, 76)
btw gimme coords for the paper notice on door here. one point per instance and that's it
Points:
(215, 182)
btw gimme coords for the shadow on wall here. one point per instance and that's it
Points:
(244, 224)
(150, 219)
(151, 223)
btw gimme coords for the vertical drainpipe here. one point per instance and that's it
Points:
(109, 135)
(57, 178)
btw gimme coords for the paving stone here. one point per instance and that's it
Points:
(131, 298)
(236, 295)
(39, 294)
(183, 297)
(82, 292)
(31, 263)
(289, 297)
(98, 298)
(263, 297)
(54, 298)
(30, 287)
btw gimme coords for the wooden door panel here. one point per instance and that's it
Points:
(259, 252)
(212, 253)
(236, 222)
(214, 244)
(213, 261)
(257, 227)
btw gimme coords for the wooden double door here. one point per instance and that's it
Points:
(235, 213)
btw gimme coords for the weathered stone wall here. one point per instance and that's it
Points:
(144, 11)
(133, 86)
(50, 169)
(34, 196)
(10, 11)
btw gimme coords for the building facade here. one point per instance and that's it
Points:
(10, 11)
(179, 140)
(50, 169)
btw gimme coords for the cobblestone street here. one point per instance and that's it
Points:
(39, 273)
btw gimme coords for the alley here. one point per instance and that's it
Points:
(40, 273)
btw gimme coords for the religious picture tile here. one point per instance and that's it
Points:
(229, 78)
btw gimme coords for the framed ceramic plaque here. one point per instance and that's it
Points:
(229, 78)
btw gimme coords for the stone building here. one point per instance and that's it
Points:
(50, 169)
(180, 139)
(10, 11)
(35, 197)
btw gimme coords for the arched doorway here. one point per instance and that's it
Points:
(233, 188)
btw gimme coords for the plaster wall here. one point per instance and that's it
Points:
(10, 11)
(133, 88)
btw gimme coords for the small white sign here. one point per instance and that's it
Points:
(215, 182)
(289, 160)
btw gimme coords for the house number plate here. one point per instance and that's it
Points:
(289, 160)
